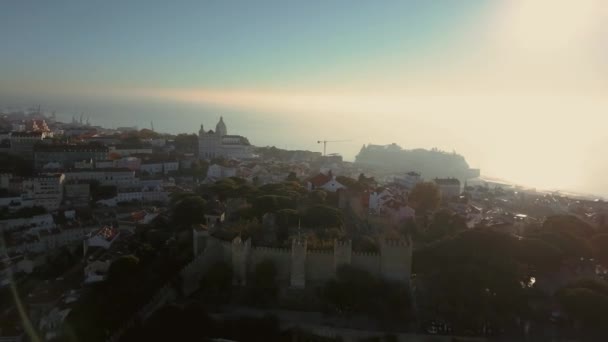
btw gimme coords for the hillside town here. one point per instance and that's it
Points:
(130, 234)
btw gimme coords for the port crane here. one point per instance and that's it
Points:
(328, 141)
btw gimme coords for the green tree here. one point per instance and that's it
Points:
(264, 286)
(474, 276)
(122, 269)
(541, 256)
(586, 303)
(351, 184)
(599, 243)
(366, 244)
(188, 210)
(99, 192)
(271, 203)
(318, 196)
(568, 224)
(445, 223)
(322, 216)
(186, 143)
(425, 197)
(357, 291)
(216, 284)
(292, 177)
(286, 218)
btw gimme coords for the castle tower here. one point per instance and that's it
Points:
(240, 259)
(201, 131)
(343, 251)
(396, 259)
(220, 128)
(298, 263)
(200, 238)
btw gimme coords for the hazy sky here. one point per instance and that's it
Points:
(520, 87)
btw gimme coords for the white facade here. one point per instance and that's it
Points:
(85, 164)
(16, 202)
(408, 180)
(128, 195)
(216, 172)
(158, 142)
(219, 144)
(449, 187)
(170, 166)
(127, 151)
(131, 163)
(44, 221)
(139, 194)
(103, 237)
(377, 199)
(104, 177)
(46, 191)
(5, 179)
(333, 185)
(152, 168)
(49, 239)
(104, 164)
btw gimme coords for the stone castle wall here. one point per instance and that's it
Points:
(369, 262)
(281, 257)
(298, 266)
(319, 266)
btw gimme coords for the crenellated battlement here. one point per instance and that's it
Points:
(300, 265)
(321, 251)
(238, 241)
(395, 243)
(366, 254)
(345, 243)
(276, 250)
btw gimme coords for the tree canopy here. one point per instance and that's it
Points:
(425, 197)
(357, 291)
(188, 209)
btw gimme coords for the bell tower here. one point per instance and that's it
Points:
(220, 128)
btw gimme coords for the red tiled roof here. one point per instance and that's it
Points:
(319, 179)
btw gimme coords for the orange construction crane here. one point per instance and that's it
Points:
(328, 141)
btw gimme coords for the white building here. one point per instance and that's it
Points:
(156, 168)
(16, 202)
(103, 237)
(104, 164)
(170, 166)
(44, 221)
(158, 142)
(378, 198)
(217, 172)
(125, 150)
(5, 180)
(43, 240)
(219, 144)
(84, 164)
(408, 180)
(333, 185)
(131, 163)
(46, 191)
(104, 177)
(128, 195)
(449, 187)
(151, 168)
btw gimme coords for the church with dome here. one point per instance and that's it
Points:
(219, 144)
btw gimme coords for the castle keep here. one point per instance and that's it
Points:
(298, 266)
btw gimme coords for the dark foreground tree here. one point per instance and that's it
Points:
(425, 197)
(188, 211)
